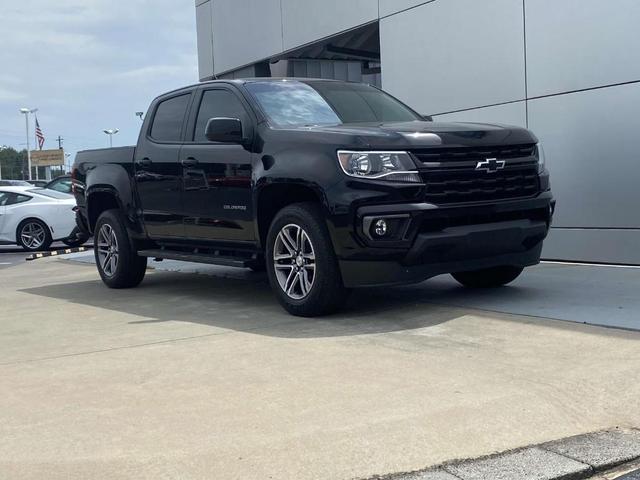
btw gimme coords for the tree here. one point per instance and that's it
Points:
(13, 163)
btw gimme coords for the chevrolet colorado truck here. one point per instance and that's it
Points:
(327, 185)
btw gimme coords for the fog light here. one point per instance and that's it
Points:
(380, 227)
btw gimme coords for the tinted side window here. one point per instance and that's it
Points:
(19, 199)
(63, 186)
(167, 122)
(7, 198)
(217, 103)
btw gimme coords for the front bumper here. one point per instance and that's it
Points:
(437, 240)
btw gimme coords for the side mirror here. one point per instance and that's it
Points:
(224, 130)
(427, 118)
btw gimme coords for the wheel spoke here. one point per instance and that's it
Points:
(305, 285)
(281, 266)
(291, 281)
(299, 239)
(113, 264)
(293, 244)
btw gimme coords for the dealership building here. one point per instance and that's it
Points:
(567, 69)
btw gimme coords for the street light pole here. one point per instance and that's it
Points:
(26, 112)
(111, 132)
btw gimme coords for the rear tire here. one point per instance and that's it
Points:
(301, 264)
(118, 263)
(33, 235)
(489, 277)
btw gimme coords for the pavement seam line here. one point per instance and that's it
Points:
(538, 317)
(126, 347)
(593, 467)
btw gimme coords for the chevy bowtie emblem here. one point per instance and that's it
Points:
(490, 165)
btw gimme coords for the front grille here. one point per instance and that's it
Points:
(456, 154)
(451, 176)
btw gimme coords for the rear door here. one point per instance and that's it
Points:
(158, 171)
(4, 197)
(217, 176)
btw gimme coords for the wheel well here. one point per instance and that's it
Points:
(274, 198)
(97, 203)
(25, 220)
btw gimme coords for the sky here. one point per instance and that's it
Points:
(89, 65)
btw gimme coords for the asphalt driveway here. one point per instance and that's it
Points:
(204, 376)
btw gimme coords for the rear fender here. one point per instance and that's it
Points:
(115, 181)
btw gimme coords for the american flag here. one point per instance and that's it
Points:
(39, 135)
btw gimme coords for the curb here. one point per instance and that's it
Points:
(573, 458)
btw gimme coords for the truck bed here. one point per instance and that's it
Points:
(120, 155)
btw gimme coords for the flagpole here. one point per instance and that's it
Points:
(26, 112)
(26, 117)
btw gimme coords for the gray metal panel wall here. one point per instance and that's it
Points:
(509, 114)
(306, 21)
(245, 31)
(455, 54)
(590, 141)
(204, 29)
(577, 44)
(389, 7)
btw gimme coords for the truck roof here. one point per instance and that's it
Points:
(242, 81)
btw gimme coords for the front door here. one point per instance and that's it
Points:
(158, 171)
(217, 176)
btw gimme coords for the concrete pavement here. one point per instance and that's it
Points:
(193, 376)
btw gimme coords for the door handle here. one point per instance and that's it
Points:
(190, 162)
(144, 163)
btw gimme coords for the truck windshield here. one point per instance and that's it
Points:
(294, 103)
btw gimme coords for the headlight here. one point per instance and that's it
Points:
(542, 160)
(390, 166)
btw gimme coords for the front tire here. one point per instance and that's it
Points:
(489, 277)
(33, 235)
(302, 266)
(118, 263)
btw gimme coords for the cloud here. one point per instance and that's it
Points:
(10, 96)
(90, 64)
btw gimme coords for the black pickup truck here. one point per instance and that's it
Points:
(327, 185)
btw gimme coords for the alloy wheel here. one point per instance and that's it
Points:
(33, 235)
(294, 261)
(107, 248)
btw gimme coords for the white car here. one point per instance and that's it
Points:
(35, 217)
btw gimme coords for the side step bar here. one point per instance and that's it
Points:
(197, 258)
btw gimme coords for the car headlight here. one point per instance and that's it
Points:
(390, 166)
(542, 159)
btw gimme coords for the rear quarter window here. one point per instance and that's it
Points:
(21, 199)
(169, 118)
(10, 198)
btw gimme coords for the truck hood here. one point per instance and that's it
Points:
(426, 134)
